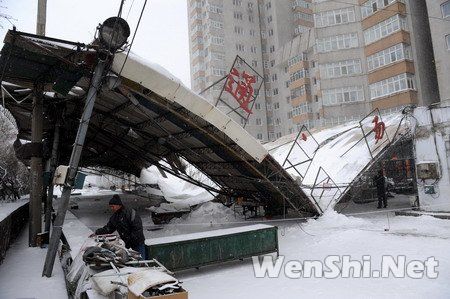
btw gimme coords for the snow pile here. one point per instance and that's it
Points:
(208, 213)
(332, 219)
(176, 190)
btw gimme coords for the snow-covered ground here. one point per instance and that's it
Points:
(6, 208)
(21, 273)
(335, 234)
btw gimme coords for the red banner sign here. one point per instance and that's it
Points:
(240, 86)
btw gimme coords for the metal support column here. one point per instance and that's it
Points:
(36, 167)
(73, 166)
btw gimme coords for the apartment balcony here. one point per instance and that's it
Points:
(404, 98)
(400, 67)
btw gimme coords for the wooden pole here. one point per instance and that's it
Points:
(41, 17)
(36, 167)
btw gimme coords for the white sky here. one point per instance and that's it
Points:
(162, 36)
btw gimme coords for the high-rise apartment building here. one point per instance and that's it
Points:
(439, 20)
(324, 62)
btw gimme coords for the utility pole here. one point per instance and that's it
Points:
(113, 34)
(73, 166)
(41, 17)
(36, 167)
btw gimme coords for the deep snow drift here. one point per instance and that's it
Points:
(336, 234)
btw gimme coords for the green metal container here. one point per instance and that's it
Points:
(201, 249)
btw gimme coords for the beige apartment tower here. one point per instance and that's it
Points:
(324, 62)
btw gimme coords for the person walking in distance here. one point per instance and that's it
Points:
(380, 183)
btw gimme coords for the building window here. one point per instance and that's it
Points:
(216, 24)
(237, 2)
(259, 136)
(445, 9)
(268, 5)
(304, 16)
(299, 91)
(272, 49)
(257, 106)
(299, 74)
(237, 15)
(274, 77)
(214, 8)
(269, 19)
(334, 17)
(240, 47)
(447, 38)
(296, 59)
(301, 3)
(251, 19)
(337, 42)
(217, 40)
(370, 7)
(218, 71)
(392, 86)
(272, 63)
(270, 32)
(384, 28)
(275, 91)
(254, 63)
(340, 69)
(301, 109)
(258, 122)
(276, 106)
(388, 56)
(342, 95)
(252, 32)
(238, 30)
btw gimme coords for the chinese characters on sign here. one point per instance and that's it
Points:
(379, 128)
(240, 86)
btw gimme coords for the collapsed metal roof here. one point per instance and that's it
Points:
(143, 118)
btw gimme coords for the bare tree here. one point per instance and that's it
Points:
(14, 176)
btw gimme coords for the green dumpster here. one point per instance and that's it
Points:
(200, 249)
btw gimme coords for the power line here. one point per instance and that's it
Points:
(132, 40)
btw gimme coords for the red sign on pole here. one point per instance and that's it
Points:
(379, 128)
(240, 86)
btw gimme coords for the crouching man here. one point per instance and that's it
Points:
(127, 223)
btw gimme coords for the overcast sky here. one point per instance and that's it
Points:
(162, 36)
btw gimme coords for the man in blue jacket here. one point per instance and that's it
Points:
(127, 223)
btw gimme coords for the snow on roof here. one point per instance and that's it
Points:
(163, 83)
(342, 169)
(208, 234)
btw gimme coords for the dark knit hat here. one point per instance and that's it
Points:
(115, 200)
